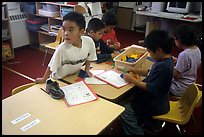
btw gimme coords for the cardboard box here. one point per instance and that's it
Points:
(134, 49)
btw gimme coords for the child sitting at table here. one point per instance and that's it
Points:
(74, 52)
(109, 35)
(188, 61)
(152, 94)
(95, 30)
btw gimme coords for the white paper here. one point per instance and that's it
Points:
(21, 118)
(29, 125)
(77, 93)
(93, 80)
(112, 78)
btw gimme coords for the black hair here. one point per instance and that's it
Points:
(186, 34)
(95, 24)
(109, 19)
(76, 17)
(159, 39)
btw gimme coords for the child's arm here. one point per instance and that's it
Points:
(174, 59)
(87, 68)
(176, 74)
(131, 78)
(138, 71)
(45, 77)
(117, 43)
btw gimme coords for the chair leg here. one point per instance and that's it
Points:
(179, 130)
(44, 57)
(194, 122)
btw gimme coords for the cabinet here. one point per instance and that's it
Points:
(51, 14)
(7, 47)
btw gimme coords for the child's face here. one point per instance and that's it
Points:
(178, 43)
(96, 35)
(154, 55)
(108, 29)
(71, 32)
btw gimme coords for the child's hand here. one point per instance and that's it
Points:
(39, 80)
(115, 53)
(89, 73)
(174, 59)
(133, 70)
(117, 45)
(130, 77)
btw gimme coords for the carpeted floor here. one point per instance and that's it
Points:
(11, 80)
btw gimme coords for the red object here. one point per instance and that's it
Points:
(110, 38)
(189, 18)
(79, 79)
(72, 3)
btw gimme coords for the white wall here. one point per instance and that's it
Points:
(127, 4)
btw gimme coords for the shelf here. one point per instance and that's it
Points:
(53, 3)
(3, 4)
(8, 58)
(7, 47)
(5, 19)
(6, 38)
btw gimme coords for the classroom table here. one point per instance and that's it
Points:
(54, 115)
(107, 91)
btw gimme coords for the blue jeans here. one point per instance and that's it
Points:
(130, 121)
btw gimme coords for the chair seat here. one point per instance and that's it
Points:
(174, 115)
(22, 87)
(53, 45)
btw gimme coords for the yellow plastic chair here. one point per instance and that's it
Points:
(58, 40)
(21, 88)
(199, 100)
(80, 9)
(181, 110)
(54, 45)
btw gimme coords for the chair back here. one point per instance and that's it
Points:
(21, 88)
(80, 9)
(59, 38)
(199, 100)
(188, 101)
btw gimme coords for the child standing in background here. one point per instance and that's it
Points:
(188, 61)
(109, 35)
(95, 30)
(74, 52)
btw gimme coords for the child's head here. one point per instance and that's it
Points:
(158, 43)
(95, 29)
(73, 27)
(184, 35)
(110, 21)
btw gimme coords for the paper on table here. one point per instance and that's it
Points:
(78, 93)
(94, 80)
(113, 78)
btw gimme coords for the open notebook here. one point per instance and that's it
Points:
(113, 78)
(78, 93)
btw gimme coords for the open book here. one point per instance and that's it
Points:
(78, 93)
(113, 78)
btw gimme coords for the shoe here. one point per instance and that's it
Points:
(54, 90)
